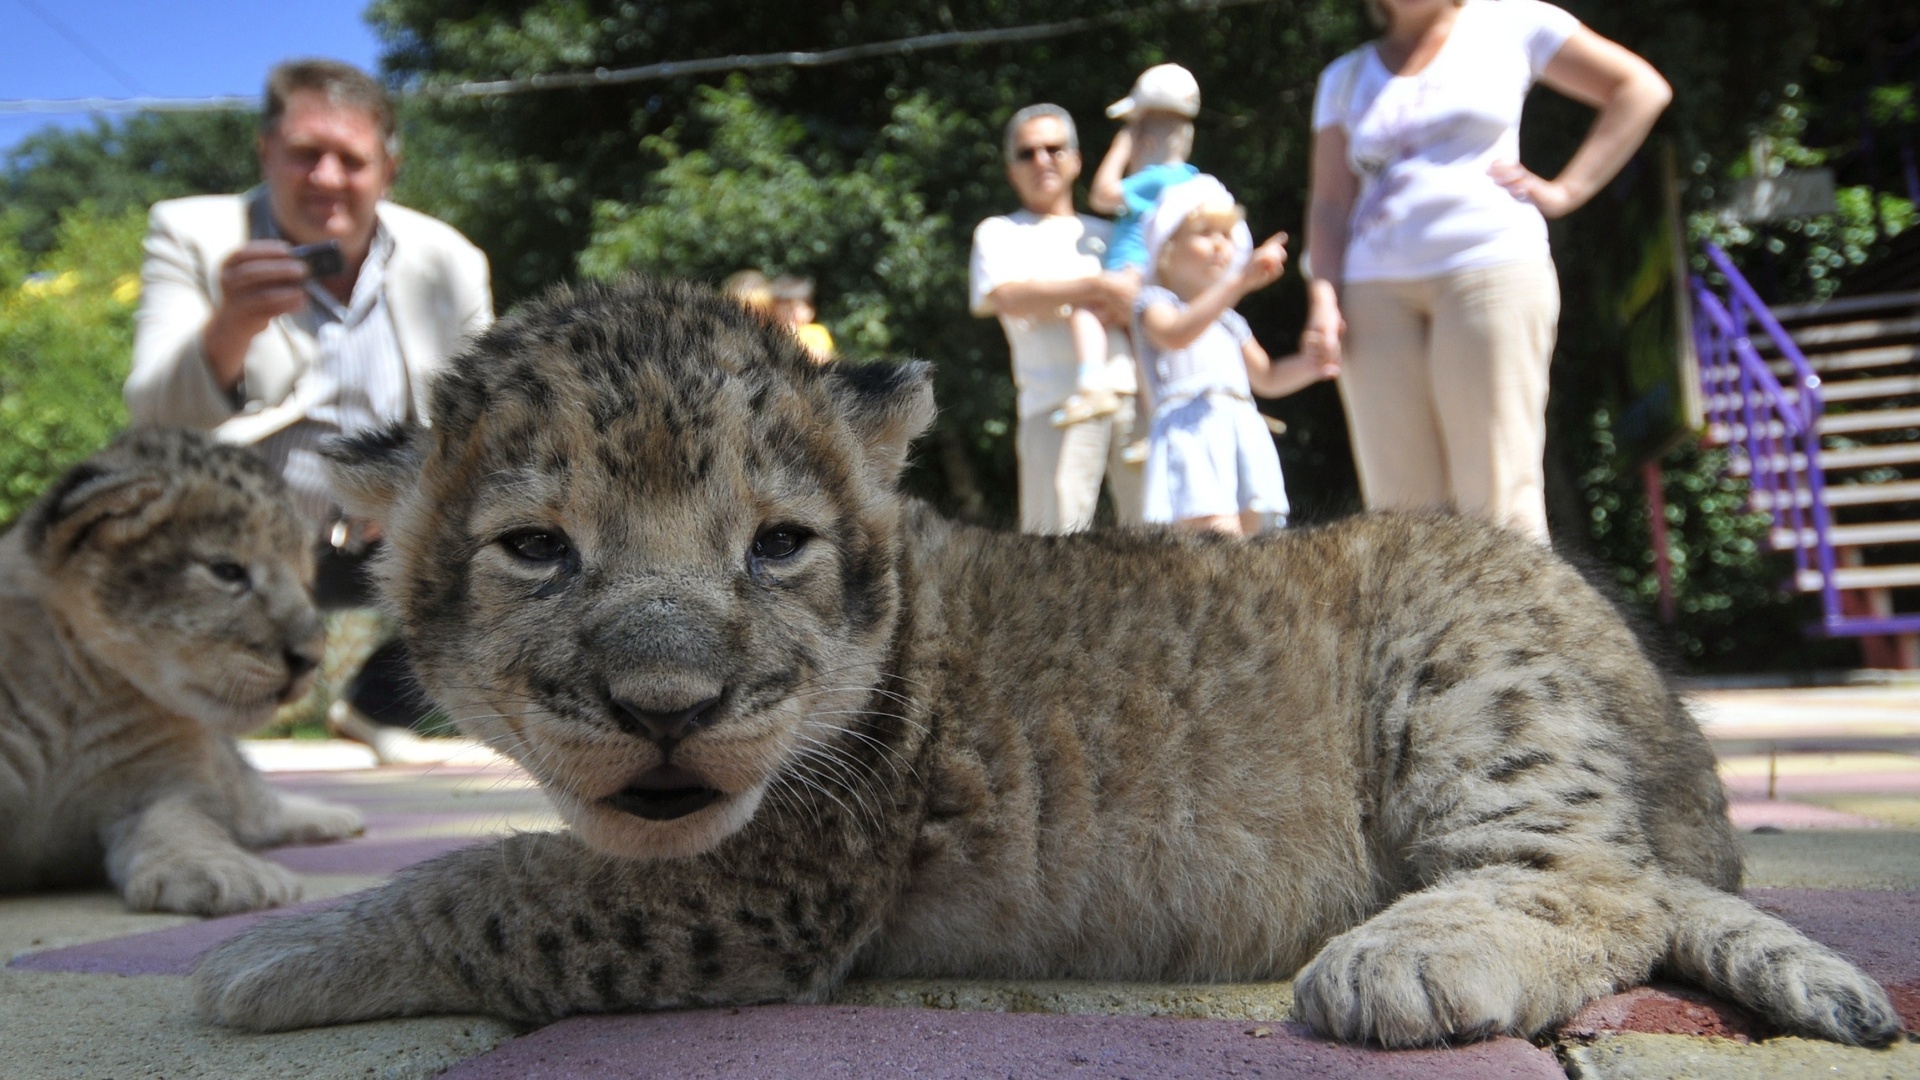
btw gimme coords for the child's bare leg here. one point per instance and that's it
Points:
(1091, 398)
(1230, 524)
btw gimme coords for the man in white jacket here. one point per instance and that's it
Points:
(237, 333)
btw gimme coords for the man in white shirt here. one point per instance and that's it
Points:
(1031, 268)
(237, 335)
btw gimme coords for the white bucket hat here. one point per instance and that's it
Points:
(1179, 202)
(1162, 86)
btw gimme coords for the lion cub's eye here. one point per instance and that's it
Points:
(779, 542)
(230, 572)
(538, 545)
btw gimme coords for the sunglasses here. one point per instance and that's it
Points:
(1028, 153)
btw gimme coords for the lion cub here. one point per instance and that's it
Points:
(803, 727)
(154, 604)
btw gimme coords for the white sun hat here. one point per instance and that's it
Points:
(1162, 86)
(1176, 204)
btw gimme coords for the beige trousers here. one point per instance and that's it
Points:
(1061, 470)
(1445, 388)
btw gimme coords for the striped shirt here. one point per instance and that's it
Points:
(358, 381)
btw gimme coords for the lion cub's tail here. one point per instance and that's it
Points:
(1727, 945)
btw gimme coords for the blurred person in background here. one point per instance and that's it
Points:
(239, 334)
(1427, 241)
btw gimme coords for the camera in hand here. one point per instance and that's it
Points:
(323, 259)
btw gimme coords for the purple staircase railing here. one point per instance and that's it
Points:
(1773, 437)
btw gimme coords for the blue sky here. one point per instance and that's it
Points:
(163, 48)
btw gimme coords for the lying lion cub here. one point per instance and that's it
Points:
(153, 604)
(803, 727)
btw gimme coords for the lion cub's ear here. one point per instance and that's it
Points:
(372, 470)
(888, 406)
(100, 507)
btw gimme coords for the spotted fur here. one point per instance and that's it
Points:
(802, 727)
(153, 604)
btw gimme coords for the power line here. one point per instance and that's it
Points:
(78, 42)
(664, 70)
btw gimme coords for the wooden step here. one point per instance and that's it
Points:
(1851, 423)
(1868, 420)
(1879, 532)
(1833, 310)
(1862, 577)
(1844, 495)
(1849, 360)
(1852, 457)
(1868, 389)
(1872, 494)
(1818, 338)
(1869, 457)
(1892, 386)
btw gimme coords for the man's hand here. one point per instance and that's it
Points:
(257, 282)
(1111, 296)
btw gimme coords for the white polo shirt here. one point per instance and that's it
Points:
(1025, 246)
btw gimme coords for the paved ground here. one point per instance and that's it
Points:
(1827, 791)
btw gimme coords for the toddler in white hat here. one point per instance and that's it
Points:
(1211, 462)
(1148, 156)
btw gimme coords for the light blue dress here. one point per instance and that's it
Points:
(1209, 452)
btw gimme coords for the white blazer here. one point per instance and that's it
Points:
(438, 292)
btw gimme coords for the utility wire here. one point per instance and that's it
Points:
(664, 70)
(83, 45)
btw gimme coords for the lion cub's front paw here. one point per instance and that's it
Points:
(213, 883)
(1366, 986)
(289, 972)
(312, 821)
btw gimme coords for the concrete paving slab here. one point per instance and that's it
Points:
(1833, 859)
(101, 1027)
(1675, 1057)
(1270, 1001)
(45, 921)
(1899, 811)
(834, 1040)
(172, 950)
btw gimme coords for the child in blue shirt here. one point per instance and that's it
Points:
(1148, 156)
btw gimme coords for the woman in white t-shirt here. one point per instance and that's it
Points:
(1427, 240)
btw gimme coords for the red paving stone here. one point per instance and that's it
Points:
(1665, 1009)
(805, 1041)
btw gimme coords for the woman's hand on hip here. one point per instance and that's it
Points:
(1550, 196)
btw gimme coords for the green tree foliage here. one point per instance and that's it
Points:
(66, 332)
(124, 165)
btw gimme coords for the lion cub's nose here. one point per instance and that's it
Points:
(665, 726)
(299, 662)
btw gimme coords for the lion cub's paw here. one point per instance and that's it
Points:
(1370, 986)
(214, 883)
(1820, 994)
(311, 821)
(284, 973)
